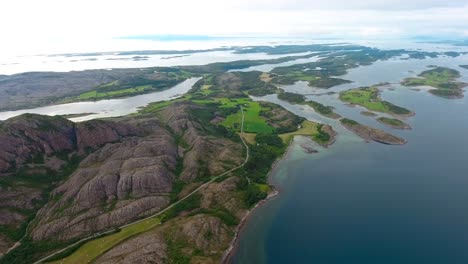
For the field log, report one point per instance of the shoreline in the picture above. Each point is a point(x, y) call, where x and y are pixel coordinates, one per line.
point(229, 253)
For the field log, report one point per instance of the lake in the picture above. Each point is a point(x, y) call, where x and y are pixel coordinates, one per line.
point(369, 203)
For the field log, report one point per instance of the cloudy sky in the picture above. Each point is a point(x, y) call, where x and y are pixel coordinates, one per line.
point(49, 23)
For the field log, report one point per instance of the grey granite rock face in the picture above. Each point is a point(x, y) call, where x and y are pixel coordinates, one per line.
point(202, 231)
point(26, 135)
point(114, 185)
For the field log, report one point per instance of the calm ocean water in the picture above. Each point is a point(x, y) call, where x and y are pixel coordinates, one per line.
point(368, 203)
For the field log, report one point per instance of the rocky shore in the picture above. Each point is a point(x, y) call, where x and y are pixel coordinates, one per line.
point(370, 133)
point(227, 258)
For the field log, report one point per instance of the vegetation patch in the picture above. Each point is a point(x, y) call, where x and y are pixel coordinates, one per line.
point(323, 110)
point(310, 129)
point(249, 138)
point(175, 253)
point(253, 122)
point(29, 251)
point(162, 78)
point(367, 113)
point(89, 251)
point(392, 122)
point(222, 213)
point(294, 98)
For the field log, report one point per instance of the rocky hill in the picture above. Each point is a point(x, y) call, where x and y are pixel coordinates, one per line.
point(128, 170)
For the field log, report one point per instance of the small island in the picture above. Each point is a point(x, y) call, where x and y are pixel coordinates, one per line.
point(174, 57)
point(314, 81)
point(300, 99)
point(393, 123)
point(443, 80)
point(68, 116)
point(370, 133)
point(368, 113)
point(464, 66)
point(369, 97)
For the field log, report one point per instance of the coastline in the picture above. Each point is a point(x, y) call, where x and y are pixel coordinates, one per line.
point(229, 253)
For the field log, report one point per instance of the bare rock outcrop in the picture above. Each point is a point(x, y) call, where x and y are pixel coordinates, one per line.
point(27, 135)
point(132, 178)
point(148, 248)
point(370, 133)
point(112, 186)
point(204, 232)
point(99, 132)
point(208, 155)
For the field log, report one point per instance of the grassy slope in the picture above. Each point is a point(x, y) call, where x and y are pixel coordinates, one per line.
point(126, 88)
point(93, 249)
point(254, 123)
point(96, 95)
point(308, 128)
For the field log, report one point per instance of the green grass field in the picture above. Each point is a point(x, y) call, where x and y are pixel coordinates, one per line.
point(250, 138)
point(253, 122)
point(368, 97)
point(206, 89)
point(308, 128)
point(118, 93)
point(156, 106)
point(93, 249)
point(264, 187)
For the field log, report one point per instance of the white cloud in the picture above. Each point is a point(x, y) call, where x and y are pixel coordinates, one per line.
point(349, 5)
point(29, 24)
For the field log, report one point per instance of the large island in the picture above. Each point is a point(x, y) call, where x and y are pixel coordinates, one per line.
point(369, 98)
point(443, 80)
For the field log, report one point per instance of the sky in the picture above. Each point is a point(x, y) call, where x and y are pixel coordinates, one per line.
point(75, 25)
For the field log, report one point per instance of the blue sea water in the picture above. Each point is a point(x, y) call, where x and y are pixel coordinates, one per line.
point(369, 203)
